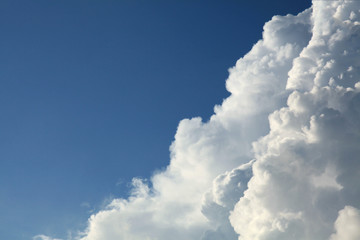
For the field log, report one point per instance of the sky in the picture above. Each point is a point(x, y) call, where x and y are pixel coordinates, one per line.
point(92, 93)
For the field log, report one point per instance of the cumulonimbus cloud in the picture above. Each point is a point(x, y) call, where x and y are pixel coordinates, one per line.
point(279, 159)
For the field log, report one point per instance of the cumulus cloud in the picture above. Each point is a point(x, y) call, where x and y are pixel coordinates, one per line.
point(347, 224)
point(226, 190)
point(277, 160)
point(307, 167)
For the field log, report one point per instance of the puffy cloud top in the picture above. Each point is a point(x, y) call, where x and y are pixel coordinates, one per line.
point(279, 159)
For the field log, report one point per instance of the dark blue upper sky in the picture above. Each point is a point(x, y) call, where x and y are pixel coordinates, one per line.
point(91, 93)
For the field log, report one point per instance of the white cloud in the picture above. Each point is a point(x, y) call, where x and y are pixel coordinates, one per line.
point(295, 109)
point(347, 225)
point(226, 190)
point(44, 237)
point(307, 166)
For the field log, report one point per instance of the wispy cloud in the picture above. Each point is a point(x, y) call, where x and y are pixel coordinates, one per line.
point(44, 237)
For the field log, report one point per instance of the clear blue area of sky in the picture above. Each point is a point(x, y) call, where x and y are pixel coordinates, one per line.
point(91, 93)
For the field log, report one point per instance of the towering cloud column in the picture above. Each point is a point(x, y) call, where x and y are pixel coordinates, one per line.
point(307, 168)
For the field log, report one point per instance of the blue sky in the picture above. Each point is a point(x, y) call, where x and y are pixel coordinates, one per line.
point(92, 92)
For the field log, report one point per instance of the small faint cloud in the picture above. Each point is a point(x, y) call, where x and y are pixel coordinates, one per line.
point(85, 205)
point(44, 237)
point(119, 182)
